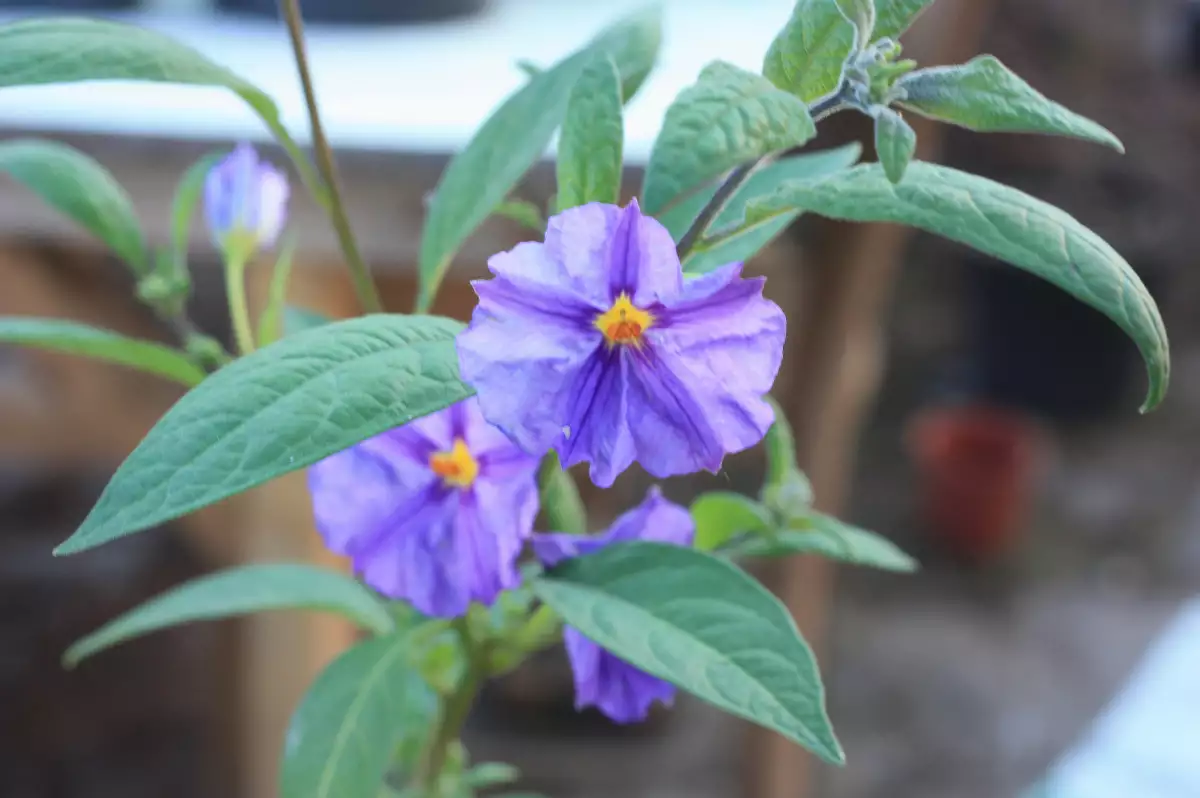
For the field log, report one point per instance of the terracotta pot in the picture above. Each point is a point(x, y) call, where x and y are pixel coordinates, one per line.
point(977, 467)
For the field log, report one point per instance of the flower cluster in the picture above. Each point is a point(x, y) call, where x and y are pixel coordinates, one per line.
point(591, 344)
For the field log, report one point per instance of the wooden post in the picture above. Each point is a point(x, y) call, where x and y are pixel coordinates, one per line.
point(279, 654)
point(837, 357)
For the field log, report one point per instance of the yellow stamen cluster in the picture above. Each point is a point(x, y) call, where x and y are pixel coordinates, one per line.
point(457, 467)
point(624, 322)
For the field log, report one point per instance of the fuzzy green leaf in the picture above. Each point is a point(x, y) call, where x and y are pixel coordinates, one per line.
point(45, 50)
point(985, 96)
point(522, 212)
point(721, 516)
point(516, 135)
point(827, 537)
point(276, 410)
point(271, 322)
point(591, 147)
point(808, 55)
point(242, 591)
point(80, 339)
point(703, 624)
point(895, 143)
point(297, 319)
point(761, 183)
point(733, 240)
point(728, 117)
point(1004, 223)
point(363, 707)
point(894, 17)
point(183, 209)
point(81, 189)
point(862, 14)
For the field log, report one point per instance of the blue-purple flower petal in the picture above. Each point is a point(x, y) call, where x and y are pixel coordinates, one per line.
point(413, 534)
point(620, 690)
point(676, 395)
point(245, 201)
point(610, 684)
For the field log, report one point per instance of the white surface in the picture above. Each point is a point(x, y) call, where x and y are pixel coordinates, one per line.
point(1147, 743)
point(419, 89)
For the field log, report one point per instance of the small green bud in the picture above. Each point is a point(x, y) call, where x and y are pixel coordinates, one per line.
point(206, 350)
point(165, 290)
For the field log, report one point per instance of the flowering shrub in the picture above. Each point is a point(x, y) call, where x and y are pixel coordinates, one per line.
point(626, 334)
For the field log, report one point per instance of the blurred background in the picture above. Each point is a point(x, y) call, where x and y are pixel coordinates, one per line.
point(982, 420)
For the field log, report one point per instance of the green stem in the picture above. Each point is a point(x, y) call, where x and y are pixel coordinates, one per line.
point(543, 629)
point(455, 709)
point(360, 275)
point(819, 110)
point(239, 309)
point(304, 166)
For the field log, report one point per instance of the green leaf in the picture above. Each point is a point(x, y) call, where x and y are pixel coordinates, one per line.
point(276, 410)
point(762, 182)
point(791, 496)
point(183, 210)
point(562, 507)
point(727, 118)
point(861, 14)
point(80, 339)
point(270, 323)
point(894, 17)
point(522, 212)
point(47, 50)
point(297, 319)
point(985, 96)
point(1004, 223)
point(528, 67)
point(780, 442)
point(721, 516)
point(895, 143)
point(701, 623)
point(241, 591)
point(808, 55)
point(633, 44)
point(786, 490)
point(516, 135)
point(78, 187)
point(735, 241)
point(590, 149)
point(828, 537)
point(355, 715)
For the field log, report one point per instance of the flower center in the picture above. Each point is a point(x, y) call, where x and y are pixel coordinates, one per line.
point(624, 322)
point(457, 467)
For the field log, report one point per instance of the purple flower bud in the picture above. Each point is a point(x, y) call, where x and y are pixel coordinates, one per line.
point(434, 512)
point(593, 344)
point(245, 202)
point(602, 679)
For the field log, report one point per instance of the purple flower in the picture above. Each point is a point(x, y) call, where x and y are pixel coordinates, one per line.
point(434, 512)
point(604, 680)
point(593, 344)
point(245, 202)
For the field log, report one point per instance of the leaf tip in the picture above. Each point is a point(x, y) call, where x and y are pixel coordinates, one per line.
point(72, 657)
point(1110, 140)
point(67, 547)
point(833, 753)
point(895, 172)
